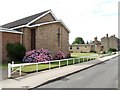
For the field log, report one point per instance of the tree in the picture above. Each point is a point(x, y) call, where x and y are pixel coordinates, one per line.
point(78, 40)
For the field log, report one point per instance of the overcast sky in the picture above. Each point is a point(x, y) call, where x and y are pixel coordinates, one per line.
point(84, 18)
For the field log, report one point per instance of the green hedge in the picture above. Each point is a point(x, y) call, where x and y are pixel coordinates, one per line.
point(112, 50)
point(15, 51)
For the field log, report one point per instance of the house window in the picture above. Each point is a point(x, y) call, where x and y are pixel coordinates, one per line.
point(77, 47)
point(59, 37)
point(85, 46)
point(70, 47)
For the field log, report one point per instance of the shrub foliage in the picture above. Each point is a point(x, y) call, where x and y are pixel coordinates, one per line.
point(60, 55)
point(15, 51)
point(112, 50)
point(37, 56)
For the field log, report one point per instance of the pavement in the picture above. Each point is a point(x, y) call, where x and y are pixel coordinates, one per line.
point(4, 74)
point(39, 78)
point(104, 75)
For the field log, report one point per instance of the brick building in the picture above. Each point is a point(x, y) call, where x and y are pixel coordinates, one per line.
point(110, 42)
point(95, 46)
point(7, 36)
point(42, 30)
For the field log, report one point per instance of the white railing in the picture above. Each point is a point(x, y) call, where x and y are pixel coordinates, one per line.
point(12, 66)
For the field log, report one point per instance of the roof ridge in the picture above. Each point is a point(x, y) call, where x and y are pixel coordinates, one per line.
point(22, 20)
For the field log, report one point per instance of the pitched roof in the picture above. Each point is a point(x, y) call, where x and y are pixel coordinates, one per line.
point(9, 30)
point(23, 21)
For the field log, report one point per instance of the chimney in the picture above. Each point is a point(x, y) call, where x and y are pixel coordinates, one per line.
point(107, 35)
point(95, 39)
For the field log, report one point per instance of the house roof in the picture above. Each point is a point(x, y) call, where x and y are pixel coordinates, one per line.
point(58, 21)
point(23, 21)
point(9, 31)
point(82, 44)
point(26, 22)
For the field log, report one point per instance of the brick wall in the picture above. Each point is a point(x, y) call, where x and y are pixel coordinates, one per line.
point(80, 48)
point(8, 38)
point(27, 38)
point(46, 37)
point(46, 18)
point(113, 42)
point(0, 46)
point(109, 42)
point(105, 43)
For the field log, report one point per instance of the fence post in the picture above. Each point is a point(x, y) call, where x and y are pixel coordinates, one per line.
point(20, 70)
point(67, 62)
point(12, 64)
point(88, 58)
point(83, 59)
point(49, 64)
point(59, 63)
point(37, 67)
point(79, 60)
point(9, 70)
point(73, 60)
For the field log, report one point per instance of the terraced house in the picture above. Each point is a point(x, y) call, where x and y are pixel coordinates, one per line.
point(42, 30)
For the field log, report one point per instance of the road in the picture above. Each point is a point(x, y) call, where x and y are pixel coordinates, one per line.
point(104, 75)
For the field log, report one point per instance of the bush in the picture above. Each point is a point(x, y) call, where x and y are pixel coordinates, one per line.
point(37, 56)
point(15, 51)
point(92, 51)
point(59, 55)
point(104, 52)
point(112, 50)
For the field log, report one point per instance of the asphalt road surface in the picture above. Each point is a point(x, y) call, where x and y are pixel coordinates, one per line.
point(104, 75)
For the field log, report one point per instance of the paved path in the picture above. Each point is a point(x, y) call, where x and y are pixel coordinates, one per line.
point(35, 79)
point(4, 74)
point(104, 75)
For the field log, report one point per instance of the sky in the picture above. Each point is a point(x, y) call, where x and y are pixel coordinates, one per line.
point(84, 18)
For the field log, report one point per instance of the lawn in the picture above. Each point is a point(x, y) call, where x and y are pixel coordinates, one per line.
point(41, 67)
point(81, 54)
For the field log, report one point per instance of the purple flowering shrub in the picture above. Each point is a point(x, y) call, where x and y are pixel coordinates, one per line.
point(37, 56)
point(60, 55)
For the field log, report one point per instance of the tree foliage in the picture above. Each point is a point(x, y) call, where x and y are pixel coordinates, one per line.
point(78, 40)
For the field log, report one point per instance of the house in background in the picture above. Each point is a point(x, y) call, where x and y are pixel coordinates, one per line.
point(42, 30)
point(8, 36)
point(97, 46)
point(81, 48)
point(110, 42)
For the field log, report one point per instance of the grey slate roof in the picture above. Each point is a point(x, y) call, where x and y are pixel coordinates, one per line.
point(22, 21)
